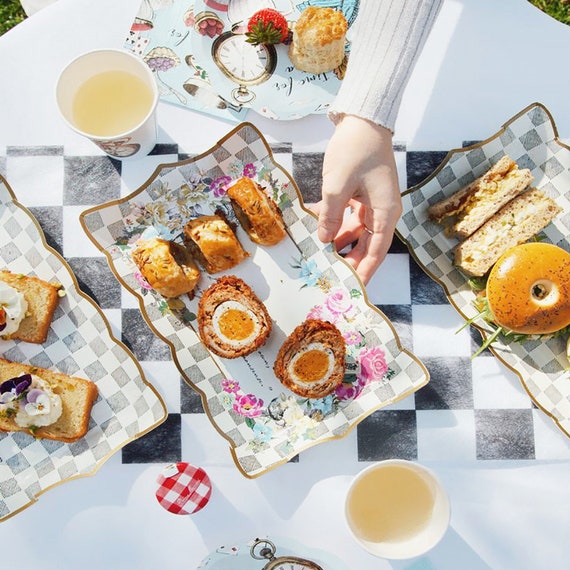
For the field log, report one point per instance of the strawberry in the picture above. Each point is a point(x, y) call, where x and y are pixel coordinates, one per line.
point(267, 26)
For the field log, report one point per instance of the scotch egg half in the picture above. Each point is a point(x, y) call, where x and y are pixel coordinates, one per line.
point(311, 361)
point(232, 320)
point(235, 324)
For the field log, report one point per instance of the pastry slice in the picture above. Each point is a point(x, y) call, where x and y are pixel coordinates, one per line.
point(213, 243)
point(167, 266)
point(257, 213)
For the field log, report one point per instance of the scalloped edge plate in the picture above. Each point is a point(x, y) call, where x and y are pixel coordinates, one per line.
point(531, 139)
point(80, 343)
point(278, 91)
point(238, 556)
point(265, 424)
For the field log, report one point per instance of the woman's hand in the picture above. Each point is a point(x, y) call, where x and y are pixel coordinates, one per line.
point(359, 172)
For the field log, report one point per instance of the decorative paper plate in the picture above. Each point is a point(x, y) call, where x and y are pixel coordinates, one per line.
point(530, 138)
point(80, 343)
point(265, 424)
point(239, 556)
point(261, 77)
point(160, 35)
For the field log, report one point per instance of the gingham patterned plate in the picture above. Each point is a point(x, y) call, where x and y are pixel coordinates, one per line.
point(530, 138)
point(265, 424)
point(79, 343)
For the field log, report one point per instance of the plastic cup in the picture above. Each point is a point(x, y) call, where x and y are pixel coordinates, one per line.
point(124, 105)
point(397, 509)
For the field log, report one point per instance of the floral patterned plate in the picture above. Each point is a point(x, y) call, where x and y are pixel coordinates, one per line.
point(265, 424)
point(79, 343)
point(530, 139)
point(262, 77)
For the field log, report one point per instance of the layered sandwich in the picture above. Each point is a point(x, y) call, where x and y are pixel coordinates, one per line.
point(492, 214)
point(467, 210)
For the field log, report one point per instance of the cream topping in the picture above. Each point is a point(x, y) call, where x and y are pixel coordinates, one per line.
point(36, 406)
point(14, 306)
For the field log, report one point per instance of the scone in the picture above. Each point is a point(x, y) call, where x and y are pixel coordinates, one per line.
point(319, 39)
point(27, 307)
point(45, 404)
point(213, 243)
point(311, 361)
point(257, 213)
point(232, 320)
point(167, 266)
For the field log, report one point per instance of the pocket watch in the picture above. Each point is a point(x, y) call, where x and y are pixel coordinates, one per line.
point(242, 62)
point(264, 549)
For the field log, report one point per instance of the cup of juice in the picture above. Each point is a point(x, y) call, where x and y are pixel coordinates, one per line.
point(397, 509)
point(110, 96)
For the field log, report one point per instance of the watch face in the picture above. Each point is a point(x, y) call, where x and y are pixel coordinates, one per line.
point(292, 565)
point(241, 61)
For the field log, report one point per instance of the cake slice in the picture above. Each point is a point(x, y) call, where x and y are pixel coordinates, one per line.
point(42, 299)
point(518, 221)
point(70, 397)
point(469, 208)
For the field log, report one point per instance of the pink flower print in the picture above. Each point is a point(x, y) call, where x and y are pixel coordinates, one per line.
point(316, 313)
point(248, 405)
point(220, 185)
point(338, 302)
point(230, 386)
point(141, 280)
point(352, 337)
point(372, 363)
point(347, 391)
point(249, 170)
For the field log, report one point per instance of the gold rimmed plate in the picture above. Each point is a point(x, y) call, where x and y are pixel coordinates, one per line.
point(80, 343)
point(531, 139)
point(264, 423)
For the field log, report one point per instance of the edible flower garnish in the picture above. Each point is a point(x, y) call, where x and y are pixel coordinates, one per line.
point(13, 389)
point(37, 403)
point(2, 319)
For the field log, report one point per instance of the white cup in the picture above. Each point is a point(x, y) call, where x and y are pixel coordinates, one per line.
point(110, 97)
point(397, 509)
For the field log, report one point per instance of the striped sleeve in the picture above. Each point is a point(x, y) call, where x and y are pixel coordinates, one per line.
point(387, 38)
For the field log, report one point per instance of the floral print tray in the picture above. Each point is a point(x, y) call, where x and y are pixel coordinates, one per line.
point(79, 343)
point(530, 139)
point(265, 424)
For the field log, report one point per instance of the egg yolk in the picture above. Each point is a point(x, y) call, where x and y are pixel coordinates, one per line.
point(311, 366)
point(236, 325)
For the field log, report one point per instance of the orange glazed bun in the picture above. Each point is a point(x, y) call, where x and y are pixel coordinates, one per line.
point(528, 289)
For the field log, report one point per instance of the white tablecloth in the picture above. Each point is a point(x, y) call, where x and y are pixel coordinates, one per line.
point(484, 62)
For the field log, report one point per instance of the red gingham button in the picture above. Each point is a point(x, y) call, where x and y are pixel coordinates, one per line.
point(183, 489)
